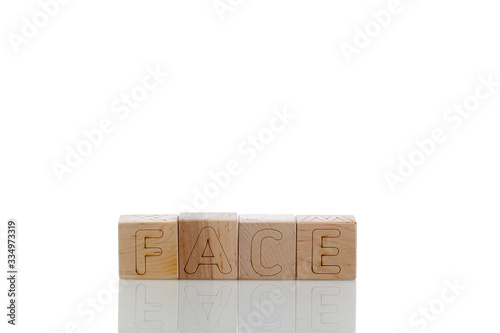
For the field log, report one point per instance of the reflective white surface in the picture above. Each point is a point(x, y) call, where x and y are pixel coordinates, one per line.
point(237, 306)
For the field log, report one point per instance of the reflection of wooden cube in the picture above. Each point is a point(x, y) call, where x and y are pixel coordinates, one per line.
point(267, 247)
point(148, 246)
point(208, 306)
point(208, 246)
point(326, 306)
point(326, 247)
point(148, 306)
point(266, 306)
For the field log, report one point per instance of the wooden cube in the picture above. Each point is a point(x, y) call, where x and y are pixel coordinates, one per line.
point(148, 246)
point(326, 247)
point(267, 247)
point(208, 246)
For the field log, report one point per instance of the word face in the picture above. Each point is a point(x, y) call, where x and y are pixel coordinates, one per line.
point(219, 246)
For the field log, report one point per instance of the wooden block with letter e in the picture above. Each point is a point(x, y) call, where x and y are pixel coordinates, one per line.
point(267, 247)
point(326, 247)
point(148, 246)
point(208, 246)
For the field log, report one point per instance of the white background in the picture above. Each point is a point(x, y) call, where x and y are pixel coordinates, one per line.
point(353, 120)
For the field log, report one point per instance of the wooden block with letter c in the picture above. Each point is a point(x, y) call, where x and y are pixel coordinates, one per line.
point(267, 247)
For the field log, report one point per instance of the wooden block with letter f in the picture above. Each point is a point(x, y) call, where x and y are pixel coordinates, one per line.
point(148, 246)
point(326, 247)
point(267, 245)
point(208, 246)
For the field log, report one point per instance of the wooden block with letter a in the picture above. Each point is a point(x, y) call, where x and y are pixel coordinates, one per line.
point(148, 246)
point(208, 246)
point(326, 247)
point(267, 247)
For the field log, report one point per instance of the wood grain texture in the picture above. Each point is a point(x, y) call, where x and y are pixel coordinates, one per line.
point(326, 247)
point(267, 247)
point(208, 246)
point(148, 246)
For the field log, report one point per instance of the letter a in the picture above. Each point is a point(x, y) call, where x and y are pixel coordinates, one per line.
point(208, 251)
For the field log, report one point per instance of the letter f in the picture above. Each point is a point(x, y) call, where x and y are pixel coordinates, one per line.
point(141, 249)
